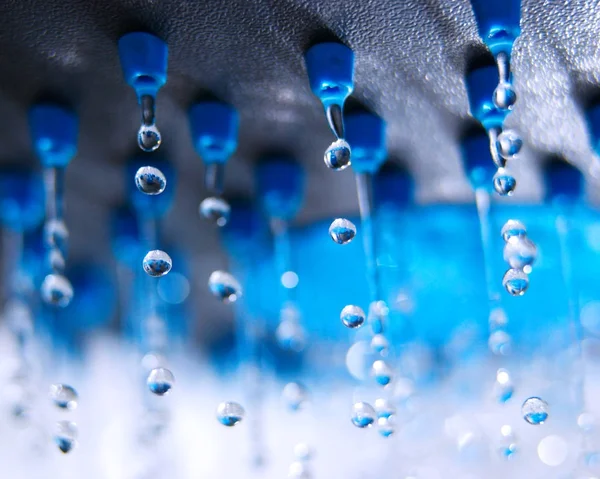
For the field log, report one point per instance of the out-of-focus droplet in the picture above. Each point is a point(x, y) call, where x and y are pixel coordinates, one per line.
point(535, 410)
point(509, 144)
point(507, 446)
point(553, 450)
point(295, 395)
point(63, 396)
point(338, 155)
point(57, 290)
point(302, 451)
point(499, 342)
point(352, 316)
point(342, 231)
point(384, 407)
point(149, 138)
point(224, 286)
point(513, 228)
point(150, 180)
point(299, 470)
point(378, 312)
point(386, 425)
point(230, 413)
point(380, 344)
point(586, 422)
point(503, 387)
point(216, 210)
point(157, 263)
point(160, 381)
point(291, 335)
point(56, 260)
point(56, 234)
point(504, 182)
point(65, 435)
point(520, 252)
point(515, 282)
point(382, 372)
point(363, 414)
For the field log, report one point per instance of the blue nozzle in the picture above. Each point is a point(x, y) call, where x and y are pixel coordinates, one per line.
point(478, 165)
point(152, 206)
point(280, 184)
point(22, 201)
point(564, 182)
point(54, 134)
point(366, 134)
point(393, 187)
point(498, 22)
point(481, 83)
point(144, 62)
point(214, 128)
point(330, 68)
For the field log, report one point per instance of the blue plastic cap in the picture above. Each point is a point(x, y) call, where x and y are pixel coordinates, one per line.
point(393, 187)
point(330, 68)
point(564, 182)
point(477, 161)
point(214, 131)
point(54, 134)
point(151, 206)
point(22, 200)
point(280, 184)
point(365, 132)
point(498, 22)
point(481, 83)
point(144, 62)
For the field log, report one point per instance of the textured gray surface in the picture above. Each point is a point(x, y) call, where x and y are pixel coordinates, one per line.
point(410, 62)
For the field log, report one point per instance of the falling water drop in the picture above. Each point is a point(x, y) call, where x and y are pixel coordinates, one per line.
point(56, 235)
point(535, 410)
point(157, 263)
point(503, 387)
point(382, 372)
point(224, 286)
point(499, 342)
point(380, 344)
point(65, 435)
point(337, 156)
point(57, 290)
point(515, 282)
point(63, 396)
point(290, 335)
point(216, 210)
point(352, 316)
point(520, 252)
point(150, 180)
point(295, 395)
point(230, 413)
point(378, 312)
point(386, 425)
point(342, 231)
point(160, 381)
point(384, 407)
point(363, 414)
point(513, 228)
point(509, 144)
point(302, 451)
point(504, 96)
point(586, 422)
point(504, 182)
point(507, 446)
point(56, 260)
point(149, 138)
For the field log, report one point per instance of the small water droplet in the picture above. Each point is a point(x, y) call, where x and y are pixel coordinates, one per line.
point(230, 413)
point(290, 335)
point(520, 252)
point(509, 144)
point(384, 407)
point(504, 182)
point(352, 316)
point(64, 396)
point(160, 381)
point(382, 372)
point(342, 231)
point(56, 235)
point(295, 395)
point(535, 410)
point(224, 286)
point(337, 156)
point(513, 228)
point(380, 344)
point(504, 96)
point(216, 210)
point(65, 435)
point(302, 451)
point(499, 342)
point(157, 263)
point(515, 282)
point(57, 290)
point(149, 138)
point(150, 180)
point(363, 414)
point(386, 425)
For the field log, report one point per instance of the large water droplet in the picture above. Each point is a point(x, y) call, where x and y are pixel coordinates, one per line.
point(230, 413)
point(384, 407)
point(342, 231)
point(504, 182)
point(380, 344)
point(56, 235)
point(513, 228)
point(149, 138)
point(535, 410)
point(382, 372)
point(157, 263)
point(295, 395)
point(57, 290)
point(515, 282)
point(290, 335)
point(363, 414)
point(224, 286)
point(160, 381)
point(386, 425)
point(150, 180)
point(520, 252)
point(504, 96)
point(337, 156)
point(352, 316)
point(65, 435)
point(63, 396)
point(216, 210)
point(509, 144)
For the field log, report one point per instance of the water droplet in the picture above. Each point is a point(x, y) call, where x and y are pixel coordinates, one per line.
point(65, 435)
point(503, 387)
point(337, 156)
point(504, 96)
point(520, 252)
point(160, 381)
point(63, 396)
point(57, 290)
point(384, 407)
point(363, 414)
point(513, 228)
point(56, 260)
point(586, 422)
point(535, 410)
point(515, 282)
point(150, 180)
point(499, 342)
point(295, 395)
point(507, 446)
point(157, 263)
point(386, 425)
point(56, 235)
point(378, 312)
point(509, 144)
point(290, 335)
point(299, 470)
point(216, 210)
point(302, 451)
point(342, 231)
point(382, 372)
point(352, 316)
point(230, 413)
point(504, 182)
point(380, 344)
point(149, 138)
point(224, 286)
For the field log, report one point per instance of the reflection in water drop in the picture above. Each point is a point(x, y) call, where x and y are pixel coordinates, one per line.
point(216, 210)
point(149, 138)
point(513, 228)
point(337, 156)
point(342, 231)
point(150, 180)
point(382, 372)
point(504, 96)
point(157, 263)
point(65, 435)
point(509, 144)
point(504, 182)
point(535, 410)
point(57, 290)
point(56, 235)
point(352, 316)
point(384, 407)
point(160, 381)
point(520, 252)
point(363, 414)
point(386, 425)
point(63, 396)
point(224, 286)
point(515, 282)
point(230, 413)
